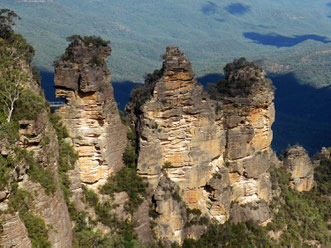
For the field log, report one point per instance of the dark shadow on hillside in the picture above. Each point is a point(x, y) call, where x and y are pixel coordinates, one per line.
point(47, 83)
point(237, 8)
point(209, 8)
point(220, 19)
point(210, 78)
point(283, 41)
point(122, 92)
point(303, 114)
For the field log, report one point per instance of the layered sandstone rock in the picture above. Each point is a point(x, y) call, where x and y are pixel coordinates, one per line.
point(248, 109)
point(297, 161)
point(52, 208)
point(37, 136)
point(178, 135)
point(14, 233)
point(215, 150)
point(90, 113)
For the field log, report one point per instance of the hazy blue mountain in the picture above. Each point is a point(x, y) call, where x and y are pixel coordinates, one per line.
point(211, 33)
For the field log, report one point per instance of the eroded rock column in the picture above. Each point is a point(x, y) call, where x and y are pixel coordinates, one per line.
point(90, 113)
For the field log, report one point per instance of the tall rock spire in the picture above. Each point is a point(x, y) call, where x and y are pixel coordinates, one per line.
point(90, 113)
point(209, 151)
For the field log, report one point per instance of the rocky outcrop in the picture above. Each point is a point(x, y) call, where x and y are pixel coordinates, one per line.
point(52, 208)
point(90, 113)
point(248, 109)
point(298, 163)
point(170, 210)
point(178, 135)
point(216, 150)
point(37, 136)
point(14, 233)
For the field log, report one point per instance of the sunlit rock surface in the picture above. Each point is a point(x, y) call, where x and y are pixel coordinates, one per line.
point(215, 147)
point(90, 113)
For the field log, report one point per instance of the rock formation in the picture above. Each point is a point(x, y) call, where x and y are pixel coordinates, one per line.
point(216, 150)
point(246, 97)
point(90, 113)
point(205, 155)
point(298, 163)
point(50, 207)
point(14, 233)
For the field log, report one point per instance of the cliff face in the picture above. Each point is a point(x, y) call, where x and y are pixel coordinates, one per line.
point(14, 233)
point(52, 208)
point(37, 136)
point(178, 135)
point(90, 113)
point(216, 151)
point(298, 163)
point(248, 110)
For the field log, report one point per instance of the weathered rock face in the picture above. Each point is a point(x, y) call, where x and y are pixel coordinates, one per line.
point(297, 161)
point(14, 233)
point(216, 151)
point(39, 137)
point(178, 134)
point(246, 97)
point(52, 208)
point(90, 114)
point(171, 211)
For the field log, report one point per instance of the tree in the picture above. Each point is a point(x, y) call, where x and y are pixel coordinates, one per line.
point(11, 87)
point(15, 54)
point(7, 23)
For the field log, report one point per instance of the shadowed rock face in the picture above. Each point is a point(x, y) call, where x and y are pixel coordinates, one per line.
point(90, 114)
point(298, 163)
point(206, 146)
point(83, 67)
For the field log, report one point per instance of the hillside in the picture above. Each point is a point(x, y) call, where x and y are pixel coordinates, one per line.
point(210, 32)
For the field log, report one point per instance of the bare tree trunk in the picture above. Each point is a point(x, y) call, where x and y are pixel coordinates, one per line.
point(11, 94)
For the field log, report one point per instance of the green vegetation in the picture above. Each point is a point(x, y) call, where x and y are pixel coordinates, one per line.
point(97, 61)
point(28, 106)
point(36, 172)
point(302, 216)
point(89, 40)
point(5, 165)
point(322, 176)
point(194, 218)
point(16, 101)
point(127, 180)
point(138, 96)
point(210, 39)
point(123, 231)
point(130, 155)
point(37, 231)
point(8, 130)
point(247, 234)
